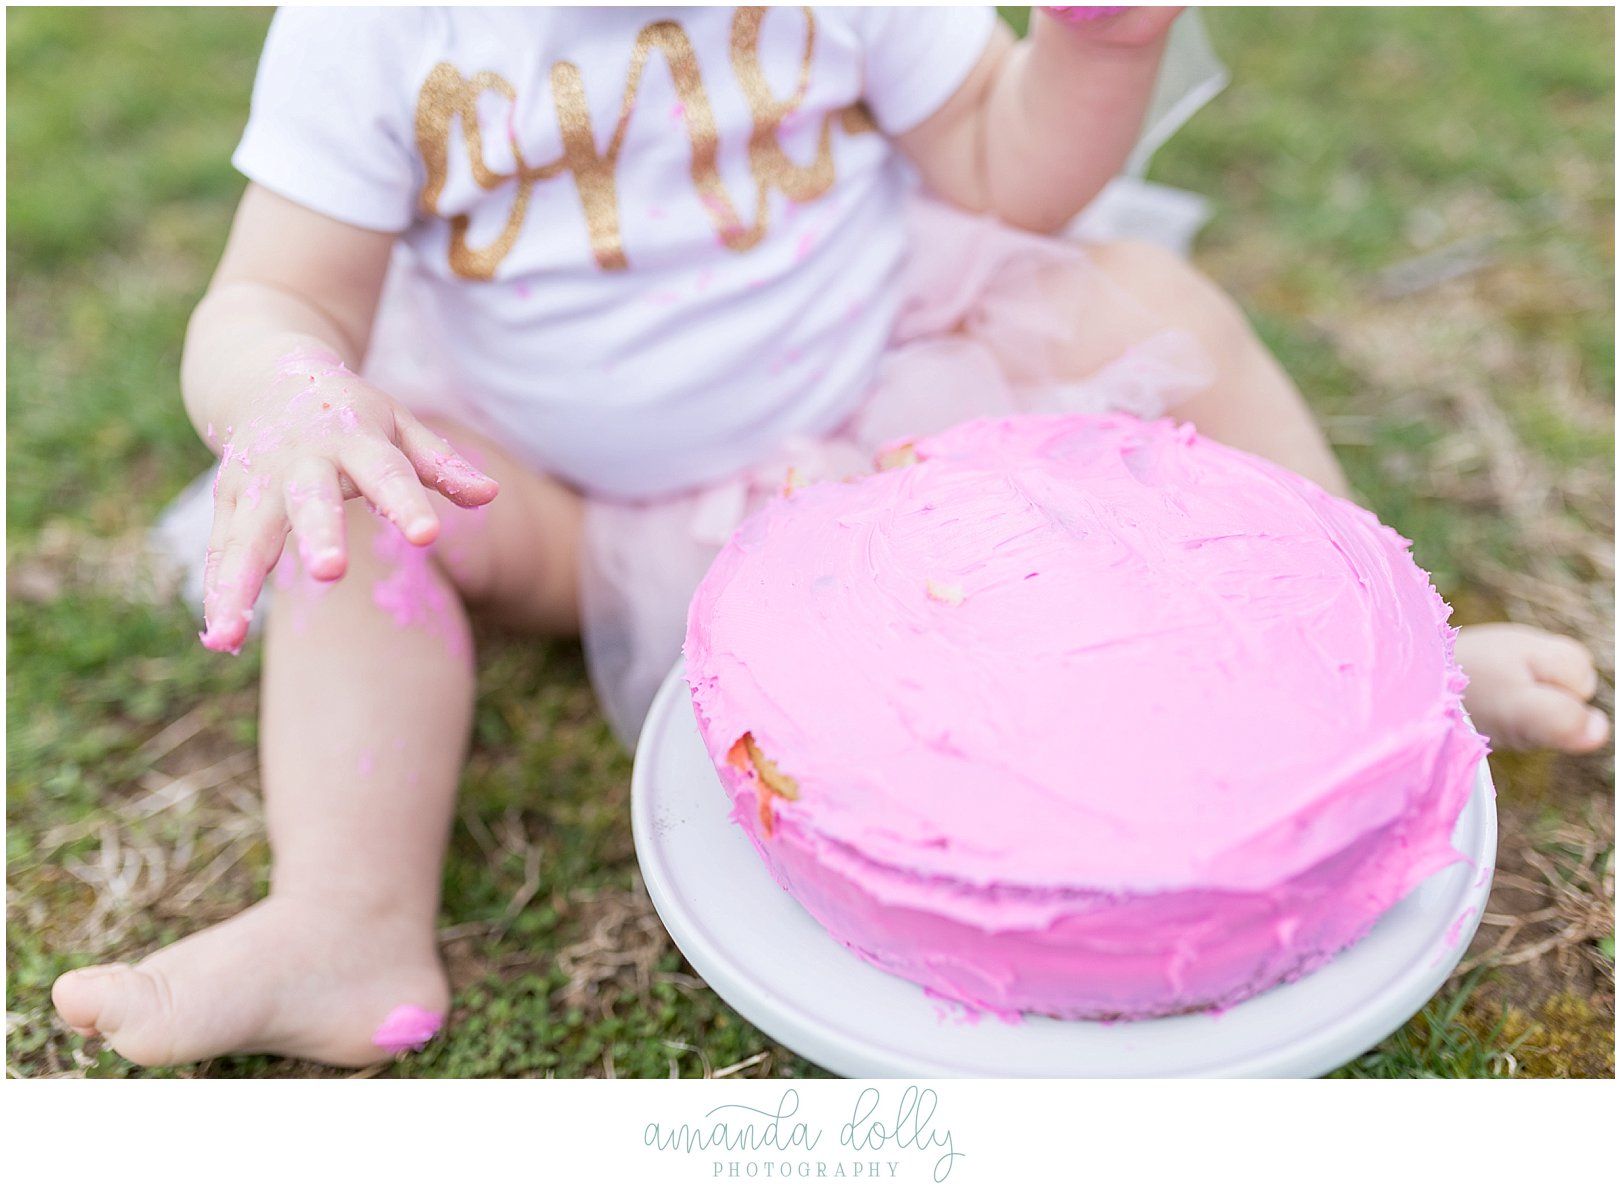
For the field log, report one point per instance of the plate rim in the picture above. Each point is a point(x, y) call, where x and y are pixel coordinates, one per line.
point(818, 1037)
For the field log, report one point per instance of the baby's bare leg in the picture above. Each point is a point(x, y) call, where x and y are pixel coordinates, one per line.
point(1250, 402)
point(365, 715)
point(1528, 688)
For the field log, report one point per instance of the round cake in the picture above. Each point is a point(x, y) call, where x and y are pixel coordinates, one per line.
point(1083, 716)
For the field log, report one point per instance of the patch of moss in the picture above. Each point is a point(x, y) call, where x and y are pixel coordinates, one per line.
point(1568, 1037)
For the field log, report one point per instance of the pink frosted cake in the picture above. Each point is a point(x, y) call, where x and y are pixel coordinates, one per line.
point(1083, 716)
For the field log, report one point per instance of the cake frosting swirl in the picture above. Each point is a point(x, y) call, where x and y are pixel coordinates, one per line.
point(1083, 715)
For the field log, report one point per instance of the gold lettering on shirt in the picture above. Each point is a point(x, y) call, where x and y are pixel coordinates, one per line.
point(448, 96)
point(769, 164)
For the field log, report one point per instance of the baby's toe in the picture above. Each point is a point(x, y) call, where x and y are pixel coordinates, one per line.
point(80, 996)
point(1563, 662)
point(128, 1007)
point(1595, 733)
point(1548, 716)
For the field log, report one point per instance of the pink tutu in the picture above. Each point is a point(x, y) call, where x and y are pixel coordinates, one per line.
point(989, 319)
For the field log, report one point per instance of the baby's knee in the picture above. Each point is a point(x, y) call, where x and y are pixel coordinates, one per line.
point(1174, 291)
point(516, 559)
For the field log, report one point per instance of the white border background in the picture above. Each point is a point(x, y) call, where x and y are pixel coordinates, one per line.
point(1019, 1134)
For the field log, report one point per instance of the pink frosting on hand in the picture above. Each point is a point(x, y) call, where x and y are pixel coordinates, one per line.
point(219, 639)
point(407, 1027)
point(1086, 716)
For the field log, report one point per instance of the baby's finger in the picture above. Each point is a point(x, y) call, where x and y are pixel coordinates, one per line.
point(385, 477)
point(253, 542)
point(315, 508)
point(439, 465)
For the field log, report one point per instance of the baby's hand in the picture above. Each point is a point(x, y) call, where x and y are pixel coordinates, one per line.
point(1121, 27)
point(319, 436)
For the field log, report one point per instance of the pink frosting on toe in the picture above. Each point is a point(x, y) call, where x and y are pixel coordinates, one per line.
point(407, 1027)
point(1083, 715)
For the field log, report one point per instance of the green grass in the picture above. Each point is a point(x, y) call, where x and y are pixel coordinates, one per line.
point(1438, 1044)
point(1403, 131)
point(124, 129)
point(1350, 141)
point(120, 127)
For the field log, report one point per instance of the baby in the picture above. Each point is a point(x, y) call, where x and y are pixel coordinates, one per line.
point(559, 295)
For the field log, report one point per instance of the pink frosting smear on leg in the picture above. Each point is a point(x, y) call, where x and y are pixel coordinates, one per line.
point(410, 593)
point(407, 1027)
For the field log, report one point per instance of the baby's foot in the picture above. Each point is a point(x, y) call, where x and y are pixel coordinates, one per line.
point(1529, 688)
point(286, 977)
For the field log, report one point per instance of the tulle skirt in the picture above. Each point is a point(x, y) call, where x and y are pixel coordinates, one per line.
point(994, 322)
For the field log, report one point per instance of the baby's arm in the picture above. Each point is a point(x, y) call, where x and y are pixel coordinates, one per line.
point(1041, 126)
point(266, 379)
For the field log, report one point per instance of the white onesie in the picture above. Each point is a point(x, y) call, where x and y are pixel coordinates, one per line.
point(648, 244)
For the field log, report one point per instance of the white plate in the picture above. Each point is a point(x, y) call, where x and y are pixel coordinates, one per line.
point(769, 959)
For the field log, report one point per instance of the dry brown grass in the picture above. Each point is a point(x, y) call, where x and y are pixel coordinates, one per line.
point(183, 845)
